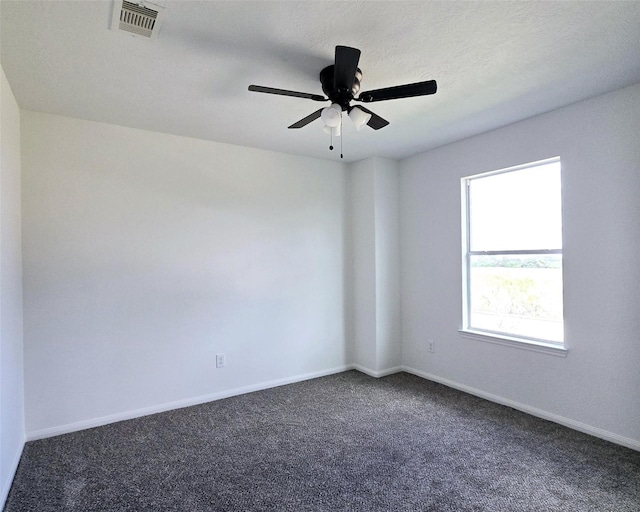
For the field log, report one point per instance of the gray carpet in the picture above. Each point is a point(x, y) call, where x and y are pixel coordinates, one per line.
point(343, 442)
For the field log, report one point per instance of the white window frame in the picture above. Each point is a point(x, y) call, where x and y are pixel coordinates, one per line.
point(517, 341)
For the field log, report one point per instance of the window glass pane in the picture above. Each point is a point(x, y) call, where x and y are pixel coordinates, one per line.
point(516, 210)
point(518, 295)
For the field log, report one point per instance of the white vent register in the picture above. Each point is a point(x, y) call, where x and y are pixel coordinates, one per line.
point(137, 18)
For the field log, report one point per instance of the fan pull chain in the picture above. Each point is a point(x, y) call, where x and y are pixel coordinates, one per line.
point(341, 136)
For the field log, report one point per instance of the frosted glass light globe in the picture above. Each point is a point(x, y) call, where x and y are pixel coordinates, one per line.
point(333, 130)
point(359, 117)
point(331, 115)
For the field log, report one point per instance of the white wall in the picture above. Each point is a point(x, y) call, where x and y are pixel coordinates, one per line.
point(597, 386)
point(375, 258)
point(146, 254)
point(11, 362)
point(363, 254)
point(387, 255)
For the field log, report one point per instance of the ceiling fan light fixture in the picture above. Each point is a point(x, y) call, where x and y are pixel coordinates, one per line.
point(331, 115)
point(359, 117)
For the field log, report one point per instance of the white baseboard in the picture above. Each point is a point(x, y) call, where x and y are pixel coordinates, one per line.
point(6, 485)
point(634, 444)
point(376, 373)
point(145, 411)
point(105, 420)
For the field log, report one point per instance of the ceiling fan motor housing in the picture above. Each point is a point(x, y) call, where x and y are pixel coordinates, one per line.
point(340, 96)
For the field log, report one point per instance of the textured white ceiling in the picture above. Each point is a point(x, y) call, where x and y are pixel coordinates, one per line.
point(495, 63)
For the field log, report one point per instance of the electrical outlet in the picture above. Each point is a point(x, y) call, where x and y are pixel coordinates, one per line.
point(221, 360)
point(431, 346)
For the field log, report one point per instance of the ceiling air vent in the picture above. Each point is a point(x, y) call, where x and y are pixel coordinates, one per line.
point(141, 18)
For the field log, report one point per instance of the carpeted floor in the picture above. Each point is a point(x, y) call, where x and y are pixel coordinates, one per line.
point(344, 442)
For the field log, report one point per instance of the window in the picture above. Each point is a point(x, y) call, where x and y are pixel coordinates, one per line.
point(512, 243)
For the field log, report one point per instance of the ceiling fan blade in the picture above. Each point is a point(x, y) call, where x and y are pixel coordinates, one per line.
point(376, 122)
point(308, 119)
point(399, 91)
point(346, 66)
point(284, 92)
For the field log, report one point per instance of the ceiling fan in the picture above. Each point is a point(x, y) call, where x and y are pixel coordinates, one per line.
point(341, 82)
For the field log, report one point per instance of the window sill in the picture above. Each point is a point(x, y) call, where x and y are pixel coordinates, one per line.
point(532, 345)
